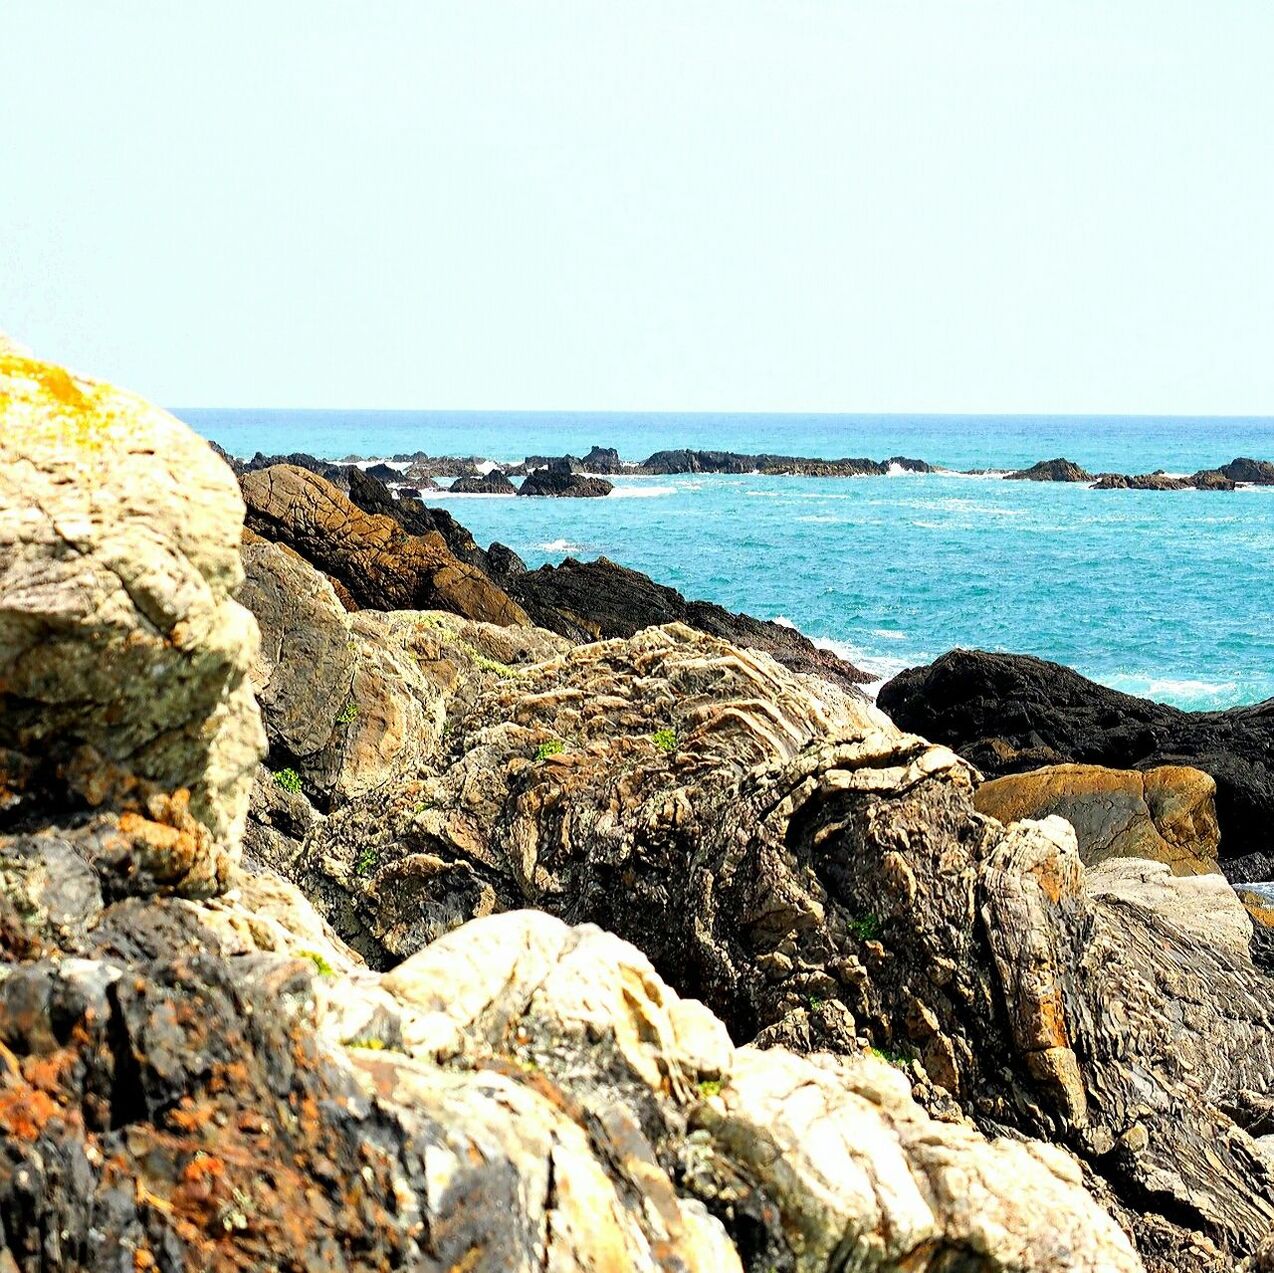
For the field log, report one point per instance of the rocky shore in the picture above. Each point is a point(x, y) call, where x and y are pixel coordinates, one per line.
point(571, 475)
point(369, 902)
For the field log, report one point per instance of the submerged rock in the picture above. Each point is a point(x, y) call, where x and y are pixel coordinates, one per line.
point(1009, 712)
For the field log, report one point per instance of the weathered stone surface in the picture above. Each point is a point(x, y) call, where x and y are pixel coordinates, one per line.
point(1009, 712)
point(1141, 482)
point(1257, 472)
point(585, 600)
point(493, 483)
point(382, 566)
point(1167, 814)
point(123, 656)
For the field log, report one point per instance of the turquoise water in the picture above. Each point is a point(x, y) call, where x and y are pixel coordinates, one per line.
point(1167, 595)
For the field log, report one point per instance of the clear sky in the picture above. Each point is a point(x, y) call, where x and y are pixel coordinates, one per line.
point(956, 205)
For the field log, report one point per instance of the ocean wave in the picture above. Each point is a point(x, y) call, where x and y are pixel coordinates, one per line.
point(560, 546)
point(1184, 691)
point(641, 492)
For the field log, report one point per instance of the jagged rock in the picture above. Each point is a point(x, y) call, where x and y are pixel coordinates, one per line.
point(558, 479)
point(382, 566)
point(1008, 713)
point(1158, 481)
point(1255, 472)
point(1167, 814)
point(373, 496)
point(683, 461)
point(1212, 480)
point(587, 600)
point(494, 483)
point(604, 460)
point(123, 656)
point(908, 465)
point(1059, 470)
point(818, 878)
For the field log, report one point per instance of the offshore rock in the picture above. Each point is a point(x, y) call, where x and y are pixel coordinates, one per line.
point(1167, 814)
point(558, 479)
point(123, 656)
point(1059, 470)
point(1010, 712)
point(494, 483)
point(584, 601)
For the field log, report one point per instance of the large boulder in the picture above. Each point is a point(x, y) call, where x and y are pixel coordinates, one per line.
point(585, 600)
point(382, 566)
point(1008, 713)
point(123, 656)
point(1255, 472)
point(493, 483)
point(1167, 814)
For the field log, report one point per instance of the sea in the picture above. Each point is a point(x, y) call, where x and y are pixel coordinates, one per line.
point(1167, 595)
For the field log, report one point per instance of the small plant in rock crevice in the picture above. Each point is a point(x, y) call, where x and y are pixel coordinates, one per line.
point(665, 740)
point(289, 780)
point(320, 963)
point(349, 715)
point(553, 747)
point(865, 927)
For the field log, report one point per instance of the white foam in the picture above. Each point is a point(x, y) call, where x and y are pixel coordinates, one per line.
point(560, 546)
point(641, 492)
point(897, 470)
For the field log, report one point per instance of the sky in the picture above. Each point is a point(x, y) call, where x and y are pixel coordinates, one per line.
point(680, 205)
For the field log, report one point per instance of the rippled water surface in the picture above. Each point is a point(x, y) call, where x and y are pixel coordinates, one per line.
point(1168, 595)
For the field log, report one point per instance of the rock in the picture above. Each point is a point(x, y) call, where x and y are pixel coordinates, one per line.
point(1059, 470)
point(558, 479)
point(604, 460)
point(1158, 481)
point(123, 657)
point(373, 496)
point(494, 483)
point(818, 879)
point(587, 600)
point(1211, 480)
point(1254, 472)
point(382, 472)
point(1008, 713)
point(683, 461)
point(382, 566)
point(1167, 814)
point(908, 465)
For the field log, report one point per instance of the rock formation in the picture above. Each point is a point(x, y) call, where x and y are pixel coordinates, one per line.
point(123, 657)
point(824, 882)
point(683, 461)
point(558, 479)
point(1059, 470)
point(380, 565)
point(494, 483)
point(1008, 713)
point(1255, 472)
point(587, 600)
point(1167, 814)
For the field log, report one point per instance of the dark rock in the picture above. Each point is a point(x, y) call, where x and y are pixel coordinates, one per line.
point(1254, 472)
point(1059, 470)
point(602, 459)
point(1008, 713)
point(503, 562)
point(1159, 481)
point(382, 472)
point(1212, 480)
point(683, 461)
point(559, 479)
point(495, 483)
point(584, 601)
point(909, 465)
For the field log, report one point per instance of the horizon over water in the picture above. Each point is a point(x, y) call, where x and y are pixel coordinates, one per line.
point(1166, 595)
